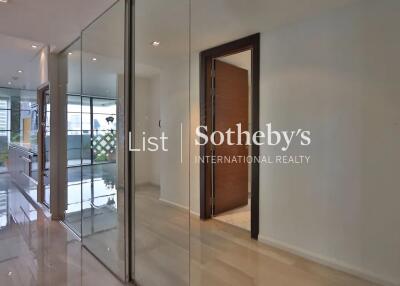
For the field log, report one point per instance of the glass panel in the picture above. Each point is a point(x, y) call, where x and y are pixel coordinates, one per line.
point(74, 121)
point(103, 185)
point(70, 64)
point(4, 133)
point(161, 177)
point(104, 106)
point(86, 121)
point(74, 103)
point(86, 104)
point(73, 211)
point(104, 122)
point(47, 147)
point(18, 122)
point(86, 147)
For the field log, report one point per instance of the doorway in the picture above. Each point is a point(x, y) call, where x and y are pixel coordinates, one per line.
point(229, 95)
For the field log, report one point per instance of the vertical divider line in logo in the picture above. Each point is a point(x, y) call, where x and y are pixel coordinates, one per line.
point(181, 143)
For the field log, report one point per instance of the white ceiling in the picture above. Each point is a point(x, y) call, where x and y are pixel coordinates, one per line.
point(41, 22)
point(213, 22)
point(53, 22)
point(15, 54)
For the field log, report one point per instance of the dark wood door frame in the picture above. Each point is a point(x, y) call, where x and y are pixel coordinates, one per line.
point(206, 57)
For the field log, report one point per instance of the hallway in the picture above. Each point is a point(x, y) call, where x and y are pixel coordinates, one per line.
point(199, 143)
point(37, 251)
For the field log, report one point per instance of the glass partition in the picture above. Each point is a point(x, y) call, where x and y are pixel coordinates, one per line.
point(321, 209)
point(70, 75)
point(161, 141)
point(17, 125)
point(103, 159)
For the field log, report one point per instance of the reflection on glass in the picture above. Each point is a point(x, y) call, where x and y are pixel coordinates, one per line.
point(17, 121)
point(102, 89)
point(46, 172)
point(70, 63)
point(161, 178)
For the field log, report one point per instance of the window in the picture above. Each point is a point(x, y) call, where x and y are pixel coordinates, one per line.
point(91, 130)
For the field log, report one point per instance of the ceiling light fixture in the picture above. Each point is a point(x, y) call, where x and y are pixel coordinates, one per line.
point(155, 43)
point(70, 53)
point(20, 71)
point(9, 83)
point(34, 46)
point(3, 1)
point(94, 59)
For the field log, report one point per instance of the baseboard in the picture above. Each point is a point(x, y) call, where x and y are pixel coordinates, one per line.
point(147, 184)
point(196, 214)
point(174, 204)
point(178, 206)
point(329, 262)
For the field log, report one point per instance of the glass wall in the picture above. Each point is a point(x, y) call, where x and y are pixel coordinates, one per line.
point(16, 109)
point(161, 173)
point(70, 67)
point(92, 120)
point(332, 73)
point(102, 113)
point(74, 129)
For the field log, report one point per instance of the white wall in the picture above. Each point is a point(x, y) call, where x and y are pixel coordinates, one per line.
point(174, 115)
point(36, 71)
point(339, 76)
point(147, 114)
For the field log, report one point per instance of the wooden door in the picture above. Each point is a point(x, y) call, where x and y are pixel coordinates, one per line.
point(231, 106)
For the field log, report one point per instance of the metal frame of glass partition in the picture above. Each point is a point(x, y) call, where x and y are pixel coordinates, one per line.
point(129, 70)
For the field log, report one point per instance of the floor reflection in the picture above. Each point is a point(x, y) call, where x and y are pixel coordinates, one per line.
point(37, 251)
point(98, 194)
point(96, 219)
point(161, 240)
point(220, 253)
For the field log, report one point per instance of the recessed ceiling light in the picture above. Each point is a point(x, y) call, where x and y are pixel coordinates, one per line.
point(155, 43)
point(20, 71)
point(34, 46)
point(70, 53)
point(9, 83)
point(94, 59)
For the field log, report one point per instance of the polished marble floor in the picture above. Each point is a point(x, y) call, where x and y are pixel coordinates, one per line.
point(92, 212)
point(37, 251)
